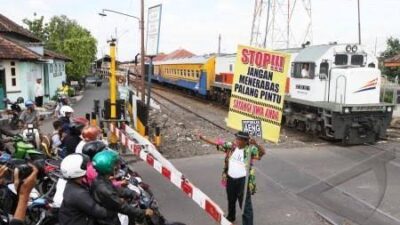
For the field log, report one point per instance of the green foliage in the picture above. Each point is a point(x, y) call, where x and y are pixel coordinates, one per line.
point(66, 36)
point(392, 49)
point(37, 27)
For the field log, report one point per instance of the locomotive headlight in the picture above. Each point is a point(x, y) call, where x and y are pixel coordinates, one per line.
point(354, 48)
point(346, 110)
point(389, 109)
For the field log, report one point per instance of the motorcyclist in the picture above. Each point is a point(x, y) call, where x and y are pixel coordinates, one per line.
point(89, 133)
point(62, 101)
point(78, 206)
point(30, 115)
point(105, 193)
point(91, 149)
point(66, 114)
point(72, 139)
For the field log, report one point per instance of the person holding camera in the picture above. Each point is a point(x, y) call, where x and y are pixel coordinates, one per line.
point(24, 187)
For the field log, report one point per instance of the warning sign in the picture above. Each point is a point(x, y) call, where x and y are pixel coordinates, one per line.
point(258, 91)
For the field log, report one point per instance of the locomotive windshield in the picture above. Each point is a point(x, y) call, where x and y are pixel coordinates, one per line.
point(341, 59)
point(357, 60)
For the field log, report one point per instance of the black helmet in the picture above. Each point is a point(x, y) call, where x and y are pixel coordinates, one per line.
point(76, 128)
point(20, 100)
point(92, 148)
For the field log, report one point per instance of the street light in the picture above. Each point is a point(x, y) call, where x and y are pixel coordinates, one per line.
point(141, 27)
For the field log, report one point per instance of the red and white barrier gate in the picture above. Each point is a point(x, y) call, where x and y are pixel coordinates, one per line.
point(148, 153)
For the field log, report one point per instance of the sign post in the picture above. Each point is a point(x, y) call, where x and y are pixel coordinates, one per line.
point(258, 91)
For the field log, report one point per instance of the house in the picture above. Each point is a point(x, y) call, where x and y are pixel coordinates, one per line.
point(23, 59)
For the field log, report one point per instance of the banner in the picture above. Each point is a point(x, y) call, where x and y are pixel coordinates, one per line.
point(258, 91)
point(153, 29)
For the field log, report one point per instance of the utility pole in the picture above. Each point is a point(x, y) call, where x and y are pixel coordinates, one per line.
point(113, 82)
point(288, 25)
point(142, 54)
point(359, 22)
point(219, 44)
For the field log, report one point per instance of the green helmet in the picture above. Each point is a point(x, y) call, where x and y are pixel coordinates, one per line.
point(105, 161)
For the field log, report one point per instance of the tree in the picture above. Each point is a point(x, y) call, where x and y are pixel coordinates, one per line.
point(37, 27)
point(66, 36)
point(392, 49)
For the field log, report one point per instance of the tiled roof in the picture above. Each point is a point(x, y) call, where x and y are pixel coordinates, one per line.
point(9, 26)
point(12, 50)
point(55, 55)
point(180, 53)
point(394, 59)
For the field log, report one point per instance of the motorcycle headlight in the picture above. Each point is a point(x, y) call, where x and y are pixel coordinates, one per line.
point(346, 110)
point(30, 126)
point(389, 109)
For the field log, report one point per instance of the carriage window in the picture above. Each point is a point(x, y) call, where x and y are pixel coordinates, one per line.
point(341, 59)
point(357, 60)
point(303, 70)
point(323, 68)
point(371, 65)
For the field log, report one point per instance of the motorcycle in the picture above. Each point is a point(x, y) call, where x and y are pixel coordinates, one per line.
point(15, 111)
point(145, 197)
point(31, 135)
point(25, 150)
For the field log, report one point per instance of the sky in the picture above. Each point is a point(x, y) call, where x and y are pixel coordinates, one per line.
point(196, 24)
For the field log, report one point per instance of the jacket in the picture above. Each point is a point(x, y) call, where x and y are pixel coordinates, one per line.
point(79, 208)
point(70, 142)
point(107, 195)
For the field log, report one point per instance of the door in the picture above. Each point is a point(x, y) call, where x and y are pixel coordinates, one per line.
point(2, 87)
point(46, 80)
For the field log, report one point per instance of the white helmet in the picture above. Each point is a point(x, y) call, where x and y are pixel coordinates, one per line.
point(66, 109)
point(74, 166)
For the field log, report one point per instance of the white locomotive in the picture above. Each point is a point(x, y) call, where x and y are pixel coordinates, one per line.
point(334, 91)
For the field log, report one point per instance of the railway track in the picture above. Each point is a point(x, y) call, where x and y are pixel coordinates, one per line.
point(217, 124)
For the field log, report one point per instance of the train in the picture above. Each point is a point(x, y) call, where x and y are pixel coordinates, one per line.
point(333, 90)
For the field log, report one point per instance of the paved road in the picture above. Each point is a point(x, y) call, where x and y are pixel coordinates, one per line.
point(285, 177)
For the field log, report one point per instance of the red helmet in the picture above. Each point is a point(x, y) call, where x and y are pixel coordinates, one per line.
point(81, 120)
point(91, 133)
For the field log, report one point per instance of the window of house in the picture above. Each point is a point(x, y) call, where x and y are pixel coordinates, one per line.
point(51, 68)
point(357, 60)
point(198, 73)
point(230, 67)
point(303, 70)
point(341, 59)
point(13, 75)
point(55, 68)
